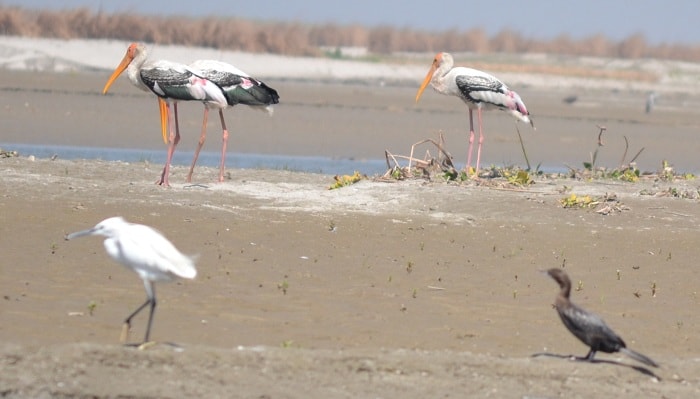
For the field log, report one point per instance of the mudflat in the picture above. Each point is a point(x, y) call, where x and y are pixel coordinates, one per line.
point(416, 288)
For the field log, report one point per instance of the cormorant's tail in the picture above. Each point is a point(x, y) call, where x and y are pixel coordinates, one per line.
point(639, 357)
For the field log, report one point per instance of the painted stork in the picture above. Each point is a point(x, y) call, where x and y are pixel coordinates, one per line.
point(478, 90)
point(238, 88)
point(171, 82)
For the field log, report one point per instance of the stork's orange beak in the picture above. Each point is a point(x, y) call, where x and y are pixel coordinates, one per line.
point(128, 57)
point(427, 79)
point(163, 118)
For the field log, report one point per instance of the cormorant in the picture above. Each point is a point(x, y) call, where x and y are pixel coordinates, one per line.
point(588, 327)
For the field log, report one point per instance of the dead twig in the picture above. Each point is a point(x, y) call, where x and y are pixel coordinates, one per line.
point(522, 145)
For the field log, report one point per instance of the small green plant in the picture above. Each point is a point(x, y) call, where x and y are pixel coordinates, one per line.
point(91, 307)
point(579, 286)
point(283, 286)
point(346, 180)
point(454, 175)
point(666, 172)
point(628, 174)
point(576, 201)
point(519, 178)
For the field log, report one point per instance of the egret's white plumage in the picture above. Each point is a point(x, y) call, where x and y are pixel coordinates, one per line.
point(478, 89)
point(145, 251)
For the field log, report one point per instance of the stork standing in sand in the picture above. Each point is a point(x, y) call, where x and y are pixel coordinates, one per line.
point(238, 88)
point(171, 82)
point(478, 90)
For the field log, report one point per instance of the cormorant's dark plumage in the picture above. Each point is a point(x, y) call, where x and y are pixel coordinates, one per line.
point(588, 327)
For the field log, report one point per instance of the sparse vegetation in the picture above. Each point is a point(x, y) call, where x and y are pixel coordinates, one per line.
point(91, 307)
point(604, 204)
point(346, 180)
point(576, 201)
point(283, 286)
point(293, 38)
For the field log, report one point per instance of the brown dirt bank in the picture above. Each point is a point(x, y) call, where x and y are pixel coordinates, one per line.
point(410, 289)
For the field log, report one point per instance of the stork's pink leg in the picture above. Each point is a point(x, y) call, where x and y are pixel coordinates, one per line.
point(202, 138)
point(471, 139)
point(172, 143)
point(223, 146)
point(481, 140)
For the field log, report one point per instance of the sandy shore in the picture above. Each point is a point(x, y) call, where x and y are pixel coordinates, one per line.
point(407, 289)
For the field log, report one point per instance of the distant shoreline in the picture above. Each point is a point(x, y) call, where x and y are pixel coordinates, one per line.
point(536, 70)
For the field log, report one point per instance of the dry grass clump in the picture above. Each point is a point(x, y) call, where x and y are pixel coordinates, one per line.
point(293, 38)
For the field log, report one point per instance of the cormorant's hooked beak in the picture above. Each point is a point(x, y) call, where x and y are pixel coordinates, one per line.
point(427, 79)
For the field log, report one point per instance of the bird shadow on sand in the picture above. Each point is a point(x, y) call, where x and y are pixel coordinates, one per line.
point(639, 369)
point(153, 344)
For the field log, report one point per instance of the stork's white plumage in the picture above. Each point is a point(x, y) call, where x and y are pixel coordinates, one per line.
point(171, 82)
point(478, 89)
point(237, 87)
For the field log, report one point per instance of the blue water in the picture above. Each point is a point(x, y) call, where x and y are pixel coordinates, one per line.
point(233, 160)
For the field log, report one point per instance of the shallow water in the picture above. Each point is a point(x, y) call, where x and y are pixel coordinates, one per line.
point(340, 128)
point(233, 160)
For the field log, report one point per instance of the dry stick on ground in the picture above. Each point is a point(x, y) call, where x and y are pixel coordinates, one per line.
point(441, 151)
point(594, 156)
point(405, 172)
point(444, 158)
point(419, 163)
point(624, 166)
point(522, 145)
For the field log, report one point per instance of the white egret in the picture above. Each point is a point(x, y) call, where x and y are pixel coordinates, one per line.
point(146, 252)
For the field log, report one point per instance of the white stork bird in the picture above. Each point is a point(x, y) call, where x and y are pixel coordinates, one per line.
point(238, 88)
point(478, 90)
point(171, 82)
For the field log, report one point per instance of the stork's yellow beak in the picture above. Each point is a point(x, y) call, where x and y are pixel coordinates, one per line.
point(128, 57)
point(427, 79)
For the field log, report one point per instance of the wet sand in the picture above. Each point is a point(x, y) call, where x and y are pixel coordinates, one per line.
point(407, 289)
point(359, 122)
